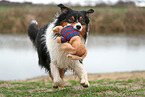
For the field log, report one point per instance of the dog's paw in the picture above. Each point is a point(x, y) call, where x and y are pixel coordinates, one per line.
point(84, 83)
point(57, 83)
point(55, 86)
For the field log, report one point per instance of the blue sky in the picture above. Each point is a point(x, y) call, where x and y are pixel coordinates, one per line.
point(82, 2)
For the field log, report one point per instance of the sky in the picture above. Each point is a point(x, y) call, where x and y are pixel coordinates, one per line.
point(81, 2)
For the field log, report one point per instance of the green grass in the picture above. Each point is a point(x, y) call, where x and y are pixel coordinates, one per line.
point(131, 87)
point(5, 8)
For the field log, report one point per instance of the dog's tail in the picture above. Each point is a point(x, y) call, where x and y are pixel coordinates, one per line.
point(33, 30)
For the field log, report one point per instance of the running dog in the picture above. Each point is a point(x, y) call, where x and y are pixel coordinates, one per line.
point(50, 55)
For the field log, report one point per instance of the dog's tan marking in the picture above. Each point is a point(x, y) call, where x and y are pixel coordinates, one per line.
point(73, 18)
point(81, 18)
point(83, 32)
point(61, 71)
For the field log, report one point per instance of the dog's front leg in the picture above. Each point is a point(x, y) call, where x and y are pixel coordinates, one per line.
point(82, 74)
point(56, 76)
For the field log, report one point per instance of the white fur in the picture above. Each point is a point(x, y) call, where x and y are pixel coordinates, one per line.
point(59, 59)
point(34, 22)
point(78, 24)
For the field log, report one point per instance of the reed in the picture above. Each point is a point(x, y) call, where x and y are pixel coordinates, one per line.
point(104, 20)
point(108, 21)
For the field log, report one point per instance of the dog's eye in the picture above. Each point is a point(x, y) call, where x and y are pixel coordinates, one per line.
point(70, 20)
point(82, 22)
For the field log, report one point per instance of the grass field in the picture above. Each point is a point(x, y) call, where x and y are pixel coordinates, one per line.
point(3, 8)
point(114, 84)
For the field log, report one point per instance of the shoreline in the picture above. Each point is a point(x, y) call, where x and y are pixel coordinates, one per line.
point(97, 76)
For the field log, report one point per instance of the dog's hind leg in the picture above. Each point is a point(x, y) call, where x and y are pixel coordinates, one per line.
point(56, 76)
point(82, 74)
point(50, 75)
point(61, 72)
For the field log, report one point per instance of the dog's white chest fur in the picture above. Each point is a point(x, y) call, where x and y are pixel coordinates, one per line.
point(57, 55)
point(59, 59)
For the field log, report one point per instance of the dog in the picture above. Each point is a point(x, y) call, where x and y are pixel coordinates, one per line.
point(50, 55)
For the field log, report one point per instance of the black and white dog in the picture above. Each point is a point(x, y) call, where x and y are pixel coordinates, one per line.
point(51, 56)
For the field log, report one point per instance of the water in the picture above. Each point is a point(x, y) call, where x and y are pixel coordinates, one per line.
point(18, 58)
point(115, 54)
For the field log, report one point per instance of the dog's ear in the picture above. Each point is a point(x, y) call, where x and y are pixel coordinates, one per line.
point(89, 11)
point(64, 9)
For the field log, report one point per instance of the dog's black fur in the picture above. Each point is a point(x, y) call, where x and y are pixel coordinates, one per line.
point(37, 35)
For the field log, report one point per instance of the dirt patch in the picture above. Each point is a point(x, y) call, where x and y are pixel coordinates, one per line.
point(115, 76)
point(95, 77)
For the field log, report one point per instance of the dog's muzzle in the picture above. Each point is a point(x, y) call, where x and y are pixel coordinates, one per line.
point(78, 26)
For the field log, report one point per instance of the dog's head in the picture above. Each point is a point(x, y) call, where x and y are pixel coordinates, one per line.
point(78, 19)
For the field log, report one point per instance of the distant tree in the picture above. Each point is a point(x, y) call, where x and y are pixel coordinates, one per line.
point(102, 5)
point(121, 3)
point(3, 0)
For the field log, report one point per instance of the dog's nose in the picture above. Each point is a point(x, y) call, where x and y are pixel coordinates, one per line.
point(78, 27)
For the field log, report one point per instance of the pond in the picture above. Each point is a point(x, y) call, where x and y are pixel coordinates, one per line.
point(118, 53)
